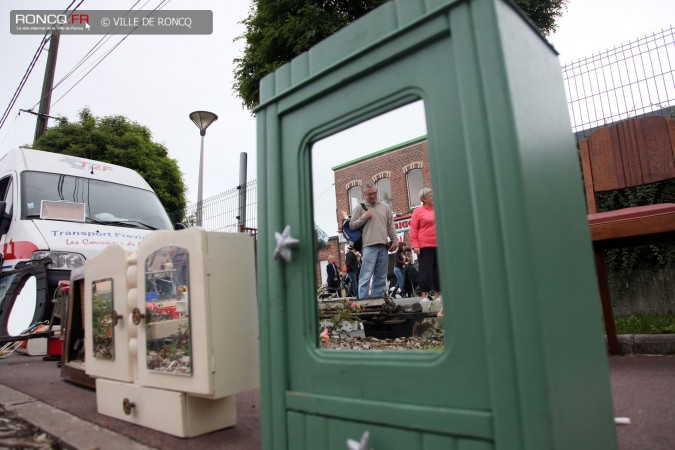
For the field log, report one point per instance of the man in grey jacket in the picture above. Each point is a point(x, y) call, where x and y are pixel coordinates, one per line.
point(378, 235)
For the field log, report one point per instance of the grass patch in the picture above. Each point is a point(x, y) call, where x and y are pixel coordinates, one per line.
point(645, 324)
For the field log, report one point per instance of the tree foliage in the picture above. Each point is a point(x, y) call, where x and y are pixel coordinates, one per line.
point(279, 30)
point(543, 13)
point(116, 140)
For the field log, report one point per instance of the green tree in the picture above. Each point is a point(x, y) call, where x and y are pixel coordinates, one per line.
point(279, 30)
point(543, 13)
point(117, 140)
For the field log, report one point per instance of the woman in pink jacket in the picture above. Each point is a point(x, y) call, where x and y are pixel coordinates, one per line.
point(423, 243)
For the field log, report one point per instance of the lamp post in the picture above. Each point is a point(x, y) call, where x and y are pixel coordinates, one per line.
point(202, 119)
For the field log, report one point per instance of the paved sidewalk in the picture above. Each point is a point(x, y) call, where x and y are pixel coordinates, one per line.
point(643, 388)
point(76, 432)
point(43, 389)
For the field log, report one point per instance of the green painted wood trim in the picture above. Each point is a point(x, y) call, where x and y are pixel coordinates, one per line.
point(266, 397)
point(386, 24)
point(494, 282)
point(311, 432)
point(362, 36)
point(512, 142)
point(545, 250)
point(456, 422)
point(274, 357)
point(379, 152)
point(556, 290)
point(360, 64)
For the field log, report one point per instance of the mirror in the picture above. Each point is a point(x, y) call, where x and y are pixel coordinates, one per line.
point(103, 328)
point(381, 164)
point(23, 309)
point(167, 296)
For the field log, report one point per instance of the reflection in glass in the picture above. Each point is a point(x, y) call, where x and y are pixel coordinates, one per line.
point(106, 202)
point(355, 197)
point(391, 151)
point(384, 191)
point(23, 310)
point(415, 185)
point(103, 329)
point(167, 296)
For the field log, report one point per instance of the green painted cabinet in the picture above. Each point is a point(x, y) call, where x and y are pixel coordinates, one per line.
point(524, 364)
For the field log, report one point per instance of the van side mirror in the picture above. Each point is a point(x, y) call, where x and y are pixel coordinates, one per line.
point(5, 219)
point(179, 226)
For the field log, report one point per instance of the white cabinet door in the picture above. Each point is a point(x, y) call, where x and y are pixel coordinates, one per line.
point(106, 313)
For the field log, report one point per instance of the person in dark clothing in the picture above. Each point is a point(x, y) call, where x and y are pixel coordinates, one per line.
point(353, 268)
point(400, 263)
point(333, 275)
point(410, 283)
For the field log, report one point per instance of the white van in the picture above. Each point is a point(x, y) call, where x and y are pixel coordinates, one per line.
point(69, 208)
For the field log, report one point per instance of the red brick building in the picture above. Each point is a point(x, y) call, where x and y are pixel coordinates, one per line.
point(399, 172)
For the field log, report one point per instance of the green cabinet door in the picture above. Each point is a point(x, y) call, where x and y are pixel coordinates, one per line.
point(523, 363)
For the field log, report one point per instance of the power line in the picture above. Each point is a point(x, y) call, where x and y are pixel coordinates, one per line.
point(22, 83)
point(159, 6)
point(29, 70)
point(96, 47)
point(91, 52)
point(324, 192)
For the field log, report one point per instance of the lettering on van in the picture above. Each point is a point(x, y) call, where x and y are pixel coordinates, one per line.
point(137, 237)
point(84, 165)
point(87, 241)
point(98, 238)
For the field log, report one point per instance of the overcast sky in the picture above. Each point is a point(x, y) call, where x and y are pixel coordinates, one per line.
point(154, 80)
point(158, 80)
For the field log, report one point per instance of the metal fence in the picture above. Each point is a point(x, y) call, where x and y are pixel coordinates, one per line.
point(631, 80)
point(222, 212)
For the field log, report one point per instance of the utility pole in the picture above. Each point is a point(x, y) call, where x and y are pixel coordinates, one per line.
point(47, 85)
point(242, 191)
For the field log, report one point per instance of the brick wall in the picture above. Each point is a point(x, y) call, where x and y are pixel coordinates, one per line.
point(393, 163)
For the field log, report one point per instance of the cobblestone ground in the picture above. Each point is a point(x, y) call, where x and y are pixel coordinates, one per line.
point(431, 342)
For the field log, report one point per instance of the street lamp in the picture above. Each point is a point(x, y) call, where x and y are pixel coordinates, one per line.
point(202, 119)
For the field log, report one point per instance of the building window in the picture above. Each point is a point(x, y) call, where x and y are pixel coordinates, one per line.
point(415, 185)
point(384, 191)
point(355, 197)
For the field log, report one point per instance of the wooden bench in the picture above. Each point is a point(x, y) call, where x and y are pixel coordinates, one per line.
point(630, 153)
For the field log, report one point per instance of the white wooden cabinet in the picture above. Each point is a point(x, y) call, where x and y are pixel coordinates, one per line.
point(171, 412)
point(106, 329)
point(173, 329)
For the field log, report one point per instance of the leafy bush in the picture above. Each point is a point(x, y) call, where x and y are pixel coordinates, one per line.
point(622, 263)
point(645, 324)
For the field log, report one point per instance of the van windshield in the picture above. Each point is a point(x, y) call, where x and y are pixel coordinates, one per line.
point(104, 201)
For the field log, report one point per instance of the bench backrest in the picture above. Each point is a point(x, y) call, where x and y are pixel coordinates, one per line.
point(629, 153)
